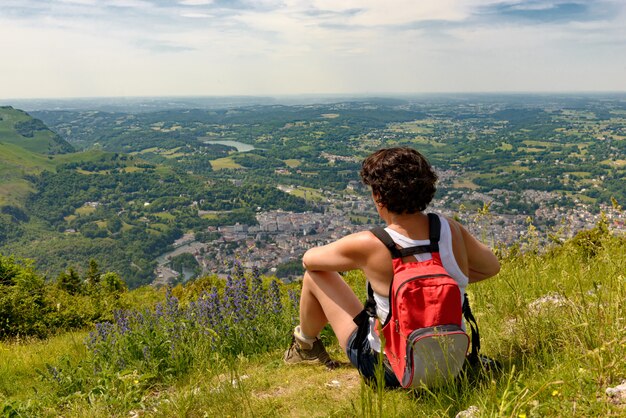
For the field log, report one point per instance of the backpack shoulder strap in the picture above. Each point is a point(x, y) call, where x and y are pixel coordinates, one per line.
point(434, 234)
point(380, 233)
point(434, 228)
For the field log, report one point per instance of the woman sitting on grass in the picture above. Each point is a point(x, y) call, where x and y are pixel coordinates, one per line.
point(403, 184)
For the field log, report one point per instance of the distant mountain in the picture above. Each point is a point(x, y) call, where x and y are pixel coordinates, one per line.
point(19, 128)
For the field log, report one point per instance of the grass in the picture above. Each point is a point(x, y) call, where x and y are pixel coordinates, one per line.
point(224, 163)
point(20, 362)
point(423, 127)
point(133, 169)
point(542, 144)
point(514, 168)
point(14, 157)
point(15, 163)
point(614, 163)
point(161, 227)
point(580, 173)
point(146, 150)
point(306, 193)
point(165, 216)
point(465, 182)
point(38, 143)
point(556, 321)
point(420, 140)
point(85, 210)
point(293, 163)
point(15, 192)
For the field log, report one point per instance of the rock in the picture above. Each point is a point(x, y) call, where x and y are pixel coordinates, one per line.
point(617, 394)
point(471, 412)
point(333, 384)
point(551, 300)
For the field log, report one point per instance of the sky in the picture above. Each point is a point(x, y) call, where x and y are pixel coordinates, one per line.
point(112, 48)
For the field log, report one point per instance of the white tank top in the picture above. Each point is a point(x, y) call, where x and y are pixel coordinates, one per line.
point(447, 259)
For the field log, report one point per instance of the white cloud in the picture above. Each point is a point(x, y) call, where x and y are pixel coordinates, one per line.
point(133, 4)
point(195, 2)
point(136, 47)
point(195, 15)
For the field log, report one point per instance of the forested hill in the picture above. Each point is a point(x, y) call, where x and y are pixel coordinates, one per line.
point(60, 207)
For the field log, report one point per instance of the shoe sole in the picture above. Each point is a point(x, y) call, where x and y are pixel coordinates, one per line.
point(303, 361)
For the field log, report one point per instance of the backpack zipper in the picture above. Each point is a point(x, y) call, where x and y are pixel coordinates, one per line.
point(425, 276)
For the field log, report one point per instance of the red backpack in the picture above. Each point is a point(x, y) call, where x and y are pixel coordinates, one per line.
point(423, 338)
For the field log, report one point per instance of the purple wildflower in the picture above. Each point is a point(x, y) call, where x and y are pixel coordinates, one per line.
point(294, 298)
point(276, 304)
point(121, 320)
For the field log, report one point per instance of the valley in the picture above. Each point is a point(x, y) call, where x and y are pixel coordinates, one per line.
point(123, 187)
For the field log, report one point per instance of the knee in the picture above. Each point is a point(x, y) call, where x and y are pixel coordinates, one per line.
point(308, 279)
point(312, 280)
point(320, 279)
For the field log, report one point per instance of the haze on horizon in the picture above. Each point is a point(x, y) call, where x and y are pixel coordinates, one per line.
point(110, 48)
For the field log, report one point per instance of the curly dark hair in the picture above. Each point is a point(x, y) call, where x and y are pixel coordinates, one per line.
point(401, 178)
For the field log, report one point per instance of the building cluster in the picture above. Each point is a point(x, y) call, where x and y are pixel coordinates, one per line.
point(282, 237)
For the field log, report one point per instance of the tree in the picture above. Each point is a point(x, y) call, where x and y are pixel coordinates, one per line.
point(70, 282)
point(22, 305)
point(112, 283)
point(93, 274)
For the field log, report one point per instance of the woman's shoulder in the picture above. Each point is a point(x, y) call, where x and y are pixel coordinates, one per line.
point(359, 242)
point(451, 224)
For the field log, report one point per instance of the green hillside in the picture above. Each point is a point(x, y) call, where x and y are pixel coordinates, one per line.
point(41, 176)
point(19, 128)
point(15, 163)
point(27, 147)
point(554, 318)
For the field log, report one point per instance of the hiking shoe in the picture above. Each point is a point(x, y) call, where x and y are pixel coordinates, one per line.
point(299, 353)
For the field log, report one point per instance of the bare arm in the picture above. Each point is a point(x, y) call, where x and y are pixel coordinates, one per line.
point(482, 263)
point(347, 253)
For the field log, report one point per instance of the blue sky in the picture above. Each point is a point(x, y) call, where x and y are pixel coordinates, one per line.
point(86, 48)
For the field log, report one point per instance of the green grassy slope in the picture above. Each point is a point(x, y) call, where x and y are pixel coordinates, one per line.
point(26, 147)
point(556, 321)
point(19, 128)
point(30, 148)
point(15, 163)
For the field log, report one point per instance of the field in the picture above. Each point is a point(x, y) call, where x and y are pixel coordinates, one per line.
point(306, 193)
point(224, 163)
point(415, 127)
point(293, 163)
point(465, 184)
point(556, 322)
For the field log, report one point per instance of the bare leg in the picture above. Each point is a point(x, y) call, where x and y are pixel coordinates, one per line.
point(326, 297)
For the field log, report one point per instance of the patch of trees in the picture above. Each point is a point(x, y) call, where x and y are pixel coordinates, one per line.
point(226, 196)
point(289, 269)
point(207, 236)
point(27, 128)
point(30, 306)
point(10, 229)
point(185, 261)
